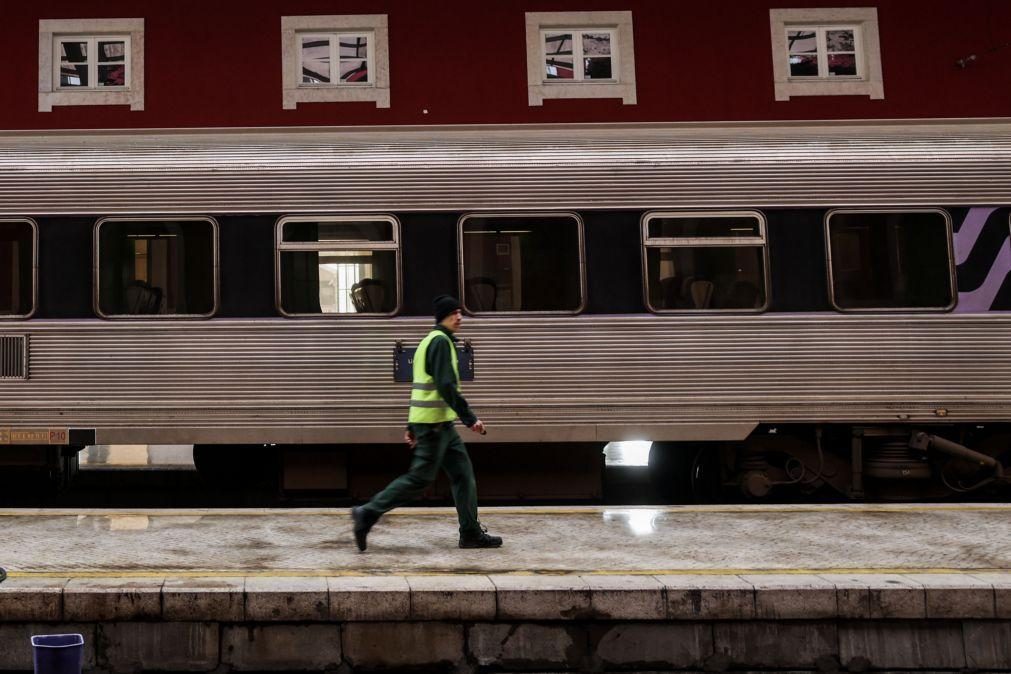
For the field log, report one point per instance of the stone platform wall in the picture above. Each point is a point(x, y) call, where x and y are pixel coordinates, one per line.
point(518, 623)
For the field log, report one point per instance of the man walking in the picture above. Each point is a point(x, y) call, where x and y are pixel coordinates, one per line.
point(435, 404)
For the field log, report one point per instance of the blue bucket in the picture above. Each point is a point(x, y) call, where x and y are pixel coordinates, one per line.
point(58, 653)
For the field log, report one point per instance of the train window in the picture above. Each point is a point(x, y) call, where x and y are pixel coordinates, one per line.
point(705, 261)
point(885, 260)
point(522, 263)
point(18, 265)
point(156, 267)
point(338, 265)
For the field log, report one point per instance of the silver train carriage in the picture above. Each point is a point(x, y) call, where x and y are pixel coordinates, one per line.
point(809, 306)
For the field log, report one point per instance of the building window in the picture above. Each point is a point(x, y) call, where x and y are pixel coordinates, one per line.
point(338, 265)
point(156, 268)
point(350, 53)
point(91, 62)
point(522, 263)
point(580, 55)
point(826, 52)
point(18, 268)
point(890, 260)
point(705, 261)
point(335, 59)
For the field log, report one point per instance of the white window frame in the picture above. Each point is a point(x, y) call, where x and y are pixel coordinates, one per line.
point(377, 89)
point(281, 246)
point(864, 22)
point(618, 24)
point(335, 59)
point(578, 74)
point(92, 63)
point(821, 53)
point(52, 31)
point(759, 241)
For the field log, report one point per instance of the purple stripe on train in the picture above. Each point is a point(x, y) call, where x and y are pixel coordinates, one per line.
point(981, 299)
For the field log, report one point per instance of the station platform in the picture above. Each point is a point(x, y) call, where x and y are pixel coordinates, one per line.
point(805, 588)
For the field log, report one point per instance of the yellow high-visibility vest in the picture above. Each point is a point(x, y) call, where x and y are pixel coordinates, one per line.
point(427, 406)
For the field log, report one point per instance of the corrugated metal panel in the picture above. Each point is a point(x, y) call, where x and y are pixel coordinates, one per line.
point(13, 357)
point(464, 169)
point(557, 372)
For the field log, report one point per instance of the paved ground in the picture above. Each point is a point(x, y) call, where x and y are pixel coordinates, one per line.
point(691, 539)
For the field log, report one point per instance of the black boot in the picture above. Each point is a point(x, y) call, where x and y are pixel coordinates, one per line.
point(363, 521)
point(481, 539)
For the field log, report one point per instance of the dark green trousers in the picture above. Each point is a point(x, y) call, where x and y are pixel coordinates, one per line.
point(439, 446)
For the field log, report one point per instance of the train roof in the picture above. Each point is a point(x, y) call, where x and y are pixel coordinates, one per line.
point(572, 167)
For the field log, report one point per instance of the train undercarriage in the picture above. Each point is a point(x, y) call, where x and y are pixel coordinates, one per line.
point(873, 463)
point(785, 462)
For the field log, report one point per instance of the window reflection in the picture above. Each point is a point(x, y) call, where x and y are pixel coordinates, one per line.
point(321, 53)
point(821, 51)
point(156, 267)
point(73, 64)
point(93, 62)
point(890, 260)
point(17, 241)
point(529, 263)
point(578, 55)
point(315, 60)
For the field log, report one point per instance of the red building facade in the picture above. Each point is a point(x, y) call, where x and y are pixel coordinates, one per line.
point(219, 64)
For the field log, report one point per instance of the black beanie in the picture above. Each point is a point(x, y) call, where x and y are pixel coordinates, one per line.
point(443, 306)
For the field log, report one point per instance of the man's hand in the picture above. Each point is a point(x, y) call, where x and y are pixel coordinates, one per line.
point(478, 427)
point(410, 439)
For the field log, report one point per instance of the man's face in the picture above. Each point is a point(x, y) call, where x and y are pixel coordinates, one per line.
point(452, 321)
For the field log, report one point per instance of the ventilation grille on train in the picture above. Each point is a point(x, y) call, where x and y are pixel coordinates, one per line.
point(13, 357)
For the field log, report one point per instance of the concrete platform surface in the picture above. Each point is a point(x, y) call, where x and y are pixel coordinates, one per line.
point(812, 588)
point(733, 540)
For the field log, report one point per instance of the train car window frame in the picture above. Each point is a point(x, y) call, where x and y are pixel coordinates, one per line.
point(581, 242)
point(622, 48)
point(54, 31)
point(760, 241)
point(215, 257)
point(376, 90)
point(393, 244)
point(952, 283)
point(35, 269)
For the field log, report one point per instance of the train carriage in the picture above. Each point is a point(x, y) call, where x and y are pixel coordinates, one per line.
point(775, 306)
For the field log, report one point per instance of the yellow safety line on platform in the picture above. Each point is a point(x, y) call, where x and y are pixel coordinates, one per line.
point(508, 510)
point(340, 573)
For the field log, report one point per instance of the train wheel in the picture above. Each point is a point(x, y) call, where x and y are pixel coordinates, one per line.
point(685, 472)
